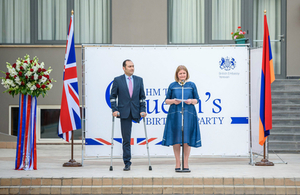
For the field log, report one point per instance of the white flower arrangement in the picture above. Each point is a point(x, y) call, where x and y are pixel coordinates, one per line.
point(27, 77)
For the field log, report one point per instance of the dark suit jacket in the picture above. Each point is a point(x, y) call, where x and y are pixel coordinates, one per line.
point(136, 104)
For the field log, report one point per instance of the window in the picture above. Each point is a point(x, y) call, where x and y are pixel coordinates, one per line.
point(200, 21)
point(47, 21)
point(226, 17)
point(14, 116)
point(52, 20)
point(273, 8)
point(92, 21)
point(15, 21)
point(47, 124)
point(186, 21)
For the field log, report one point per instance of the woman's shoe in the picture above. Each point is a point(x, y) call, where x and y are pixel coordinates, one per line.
point(186, 170)
point(177, 169)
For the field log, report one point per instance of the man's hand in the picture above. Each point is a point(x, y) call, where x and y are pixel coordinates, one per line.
point(143, 114)
point(116, 113)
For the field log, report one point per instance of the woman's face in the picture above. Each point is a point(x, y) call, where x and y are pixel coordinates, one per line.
point(182, 75)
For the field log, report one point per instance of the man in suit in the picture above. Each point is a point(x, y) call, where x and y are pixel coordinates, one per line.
point(129, 89)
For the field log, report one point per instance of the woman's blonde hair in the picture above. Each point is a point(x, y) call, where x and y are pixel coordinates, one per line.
point(179, 68)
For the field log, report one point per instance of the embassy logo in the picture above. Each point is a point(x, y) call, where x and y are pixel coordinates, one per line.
point(227, 63)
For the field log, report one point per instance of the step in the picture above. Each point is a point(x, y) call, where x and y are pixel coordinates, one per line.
point(286, 107)
point(155, 189)
point(281, 100)
point(152, 185)
point(285, 96)
point(279, 145)
point(288, 87)
point(284, 151)
point(285, 121)
point(284, 137)
point(286, 81)
point(285, 114)
point(285, 93)
point(285, 129)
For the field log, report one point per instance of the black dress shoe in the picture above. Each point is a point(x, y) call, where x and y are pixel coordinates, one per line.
point(177, 169)
point(126, 168)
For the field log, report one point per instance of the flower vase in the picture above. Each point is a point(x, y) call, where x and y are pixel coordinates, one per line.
point(26, 158)
point(240, 41)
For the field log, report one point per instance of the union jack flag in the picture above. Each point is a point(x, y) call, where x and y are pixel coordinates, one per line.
point(69, 118)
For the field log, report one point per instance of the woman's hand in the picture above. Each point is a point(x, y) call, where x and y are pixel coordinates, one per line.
point(172, 101)
point(176, 102)
point(189, 101)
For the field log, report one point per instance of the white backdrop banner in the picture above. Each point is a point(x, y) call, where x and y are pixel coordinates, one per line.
point(221, 75)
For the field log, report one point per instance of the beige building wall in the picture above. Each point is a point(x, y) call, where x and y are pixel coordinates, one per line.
point(139, 22)
point(292, 38)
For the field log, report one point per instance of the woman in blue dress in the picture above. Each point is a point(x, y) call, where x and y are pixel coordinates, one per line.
point(173, 133)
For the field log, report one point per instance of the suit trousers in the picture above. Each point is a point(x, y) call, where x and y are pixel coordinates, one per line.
point(126, 125)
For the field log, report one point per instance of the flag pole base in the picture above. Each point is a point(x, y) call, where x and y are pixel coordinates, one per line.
point(72, 163)
point(264, 162)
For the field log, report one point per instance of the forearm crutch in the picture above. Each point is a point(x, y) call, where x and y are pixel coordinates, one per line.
point(112, 143)
point(150, 168)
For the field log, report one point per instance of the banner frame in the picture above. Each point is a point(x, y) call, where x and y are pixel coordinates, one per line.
point(127, 45)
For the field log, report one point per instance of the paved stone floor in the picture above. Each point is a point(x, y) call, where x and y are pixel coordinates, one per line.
point(51, 158)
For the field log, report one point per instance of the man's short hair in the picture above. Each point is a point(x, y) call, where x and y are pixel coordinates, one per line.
point(124, 63)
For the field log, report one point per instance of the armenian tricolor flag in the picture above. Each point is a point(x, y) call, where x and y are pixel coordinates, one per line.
point(267, 77)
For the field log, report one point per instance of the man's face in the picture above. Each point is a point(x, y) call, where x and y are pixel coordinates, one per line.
point(129, 68)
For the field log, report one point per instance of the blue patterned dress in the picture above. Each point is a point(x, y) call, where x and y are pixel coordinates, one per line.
point(172, 132)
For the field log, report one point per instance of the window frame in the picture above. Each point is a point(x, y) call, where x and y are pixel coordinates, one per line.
point(209, 33)
point(208, 23)
point(34, 24)
point(38, 124)
point(10, 118)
